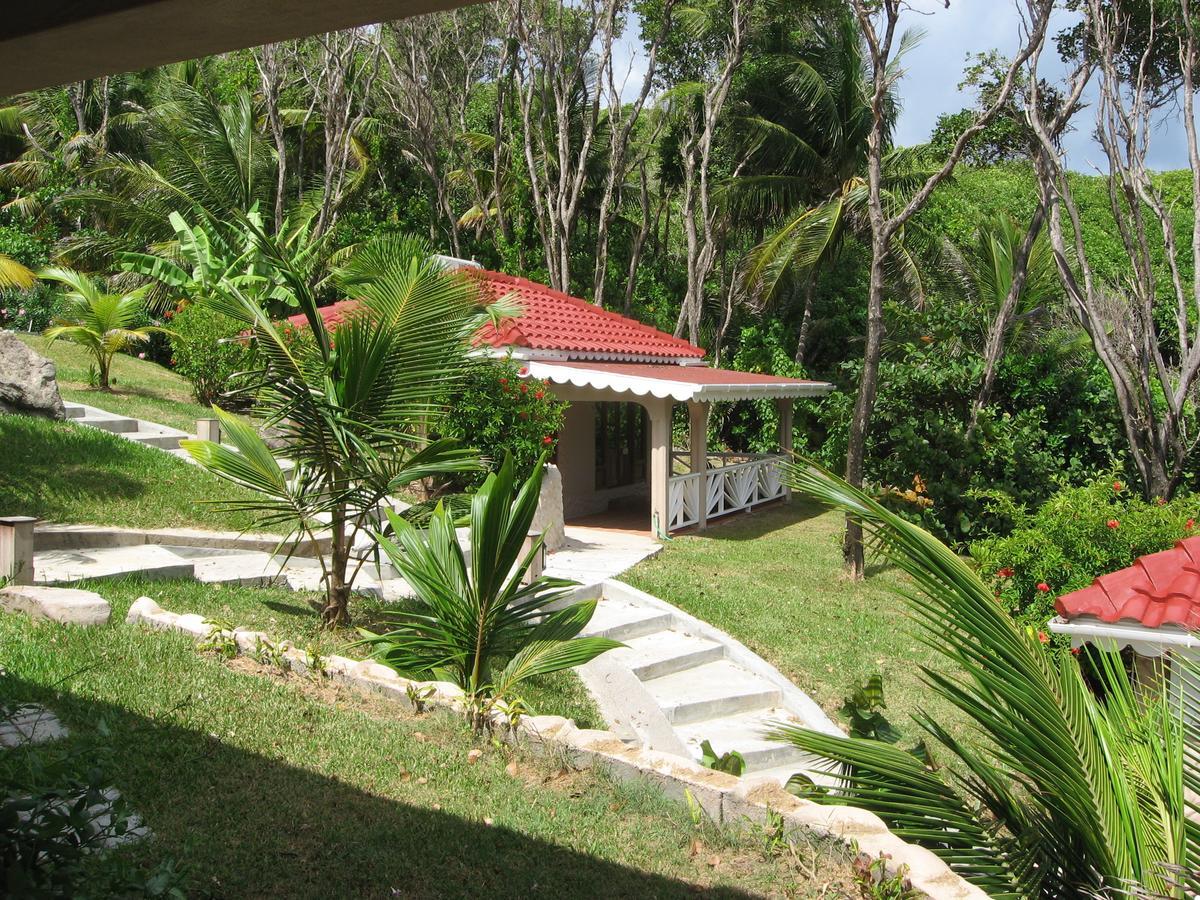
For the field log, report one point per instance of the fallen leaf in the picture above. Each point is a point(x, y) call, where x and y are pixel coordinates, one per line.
point(714, 861)
point(487, 820)
point(422, 780)
point(473, 756)
point(696, 847)
point(512, 769)
point(420, 736)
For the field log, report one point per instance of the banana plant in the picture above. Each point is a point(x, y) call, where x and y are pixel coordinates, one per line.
point(478, 621)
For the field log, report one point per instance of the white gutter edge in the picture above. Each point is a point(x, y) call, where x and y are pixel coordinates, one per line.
point(1140, 638)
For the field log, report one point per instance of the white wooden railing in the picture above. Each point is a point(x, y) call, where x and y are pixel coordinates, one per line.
point(732, 483)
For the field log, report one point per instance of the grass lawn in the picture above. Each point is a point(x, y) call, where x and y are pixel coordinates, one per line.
point(67, 473)
point(264, 786)
point(142, 390)
point(286, 615)
point(773, 579)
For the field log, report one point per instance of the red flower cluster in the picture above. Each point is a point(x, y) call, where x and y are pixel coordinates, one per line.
point(1043, 587)
point(1117, 486)
point(1043, 637)
point(1006, 572)
point(547, 440)
point(1191, 524)
point(1113, 523)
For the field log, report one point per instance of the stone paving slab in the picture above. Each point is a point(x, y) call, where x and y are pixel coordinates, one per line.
point(59, 604)
point(31, 725)
point(150, 561)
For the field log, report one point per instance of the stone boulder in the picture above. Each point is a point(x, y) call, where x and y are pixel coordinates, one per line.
point(27, 381)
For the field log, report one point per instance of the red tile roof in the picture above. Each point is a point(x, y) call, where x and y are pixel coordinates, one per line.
point(1159, 589)
point(332, 315)
point(552, 320)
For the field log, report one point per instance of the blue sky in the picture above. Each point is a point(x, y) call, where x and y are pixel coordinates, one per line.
point(934, 69)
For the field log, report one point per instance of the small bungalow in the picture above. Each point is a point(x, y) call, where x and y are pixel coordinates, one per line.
point(622, 379)
point(1151, 609)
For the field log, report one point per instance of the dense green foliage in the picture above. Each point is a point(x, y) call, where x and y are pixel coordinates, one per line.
point(499, 413)
point(1078, 534)
point(207, 351)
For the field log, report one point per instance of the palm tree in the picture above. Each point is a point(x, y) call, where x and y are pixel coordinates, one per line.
point(1055, 792)
point(103, 323)
point(352, 403)
point(477, 622)
point(15, 275)
point(808, 123)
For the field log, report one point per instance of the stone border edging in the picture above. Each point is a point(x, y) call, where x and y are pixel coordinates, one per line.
point(53, 536)
point(723, 797)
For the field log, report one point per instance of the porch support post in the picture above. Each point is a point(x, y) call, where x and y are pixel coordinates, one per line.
point(16, 549)
point(698, 449)
point(660, 464)
point(786, 426)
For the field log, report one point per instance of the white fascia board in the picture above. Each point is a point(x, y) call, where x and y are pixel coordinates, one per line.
point(1141, 639)
point(663, 387)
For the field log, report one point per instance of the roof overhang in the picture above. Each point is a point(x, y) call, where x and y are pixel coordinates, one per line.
point(681, 383)
point(59, 41)
point(1143, 640)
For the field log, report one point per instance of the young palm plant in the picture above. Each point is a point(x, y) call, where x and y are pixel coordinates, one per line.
point(1056, 792)
point(103, 323)
point(351, 403)
point(477, 623)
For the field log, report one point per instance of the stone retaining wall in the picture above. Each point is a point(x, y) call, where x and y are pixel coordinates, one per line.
point(725, 798)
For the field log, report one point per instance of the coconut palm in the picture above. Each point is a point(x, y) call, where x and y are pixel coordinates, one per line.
point(1054, 792)
point(476, 621)
point(103, 323)
point(351, 402)
point(807, 125)
point(15, 275)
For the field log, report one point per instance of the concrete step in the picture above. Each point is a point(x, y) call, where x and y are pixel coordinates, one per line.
point(744, 733)
point(115, 424)
point(711, 691)
point(147, 560)
point(75, 410)
point(161, 440)
point(665, 652)
point(624, 621)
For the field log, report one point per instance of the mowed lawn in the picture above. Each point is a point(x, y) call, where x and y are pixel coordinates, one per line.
point(142, 390)
point(61, 472)
point(774, 580)
point(264, 786)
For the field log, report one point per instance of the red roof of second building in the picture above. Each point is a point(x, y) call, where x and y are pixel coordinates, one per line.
point(552, 320)
point(1159, 589)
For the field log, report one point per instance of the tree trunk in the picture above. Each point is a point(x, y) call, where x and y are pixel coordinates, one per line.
point(864, 406)
point(337, 592)
point(810, 285)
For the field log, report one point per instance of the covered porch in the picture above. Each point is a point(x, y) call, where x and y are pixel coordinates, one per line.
point(617, 455)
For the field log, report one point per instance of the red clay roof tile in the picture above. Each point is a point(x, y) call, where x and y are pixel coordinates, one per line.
point(1159, 589)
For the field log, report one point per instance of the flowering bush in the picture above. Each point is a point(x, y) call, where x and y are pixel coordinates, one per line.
point(29, 310)
point(1075, 536)
point(498, 410)
point(201, 353)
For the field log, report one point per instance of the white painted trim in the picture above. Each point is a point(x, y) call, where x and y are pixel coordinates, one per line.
point(663, 388)
point(527, 354)
point(1109, 636)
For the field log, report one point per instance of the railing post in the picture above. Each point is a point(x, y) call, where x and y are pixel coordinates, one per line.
point(698, 452)
point(538, 564)
point(209, 430)
point(16, 549)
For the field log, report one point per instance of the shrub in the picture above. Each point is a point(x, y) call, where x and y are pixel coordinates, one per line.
point(29, 310)
point(499, 412)
point(202, 353)
point(1075, 536)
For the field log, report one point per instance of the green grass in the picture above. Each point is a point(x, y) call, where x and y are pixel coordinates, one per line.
point(142, 390)
point(263, 786)
point(61, 472)
point(288, 615)
point(774, 580)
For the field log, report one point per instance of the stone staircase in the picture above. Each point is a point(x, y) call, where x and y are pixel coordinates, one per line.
point(705, 685)
point(148, 434)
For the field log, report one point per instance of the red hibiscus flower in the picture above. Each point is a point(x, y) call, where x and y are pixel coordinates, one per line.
point(547, 440)
point(1043, 587)
point(1006, 572)
point(1113, 523)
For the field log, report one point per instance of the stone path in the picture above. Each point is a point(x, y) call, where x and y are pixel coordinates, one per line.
point(30, 724)
point(692, 682)
point(592, 555)
point(148, 434)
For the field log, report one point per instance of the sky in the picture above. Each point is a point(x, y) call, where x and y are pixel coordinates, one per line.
point(935, 68)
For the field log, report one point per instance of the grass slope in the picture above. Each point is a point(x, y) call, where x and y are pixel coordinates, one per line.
point(61, 472)
point(142, 390)
point(269, 787)
point(287, 615)
point(774, 581)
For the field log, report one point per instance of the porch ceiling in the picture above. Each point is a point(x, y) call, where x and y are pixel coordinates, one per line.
point(57, 41)
point(682, 383)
